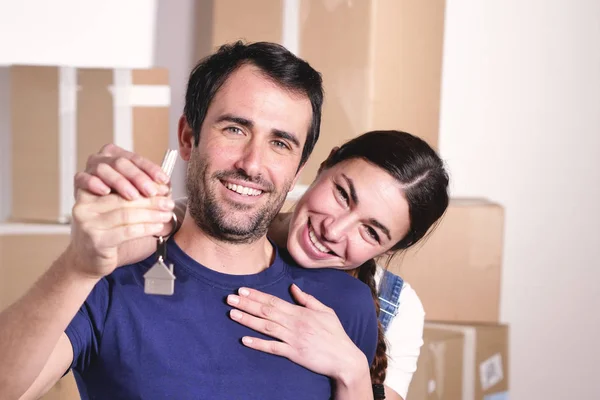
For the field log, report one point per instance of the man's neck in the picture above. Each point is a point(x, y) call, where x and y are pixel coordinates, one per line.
point(224, 257)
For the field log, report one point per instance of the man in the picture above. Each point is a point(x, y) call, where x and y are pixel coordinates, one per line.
point(251, 119)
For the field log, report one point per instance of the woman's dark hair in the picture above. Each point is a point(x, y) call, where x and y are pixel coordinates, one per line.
point(424, 182)
point(275, 61)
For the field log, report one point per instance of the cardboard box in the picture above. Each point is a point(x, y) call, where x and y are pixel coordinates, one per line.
point(461, 362)
point(26, 251)
point(456, 271)
point(381, 60)
point(61, 115)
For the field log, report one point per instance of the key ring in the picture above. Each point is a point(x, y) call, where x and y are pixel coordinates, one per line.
point(173, 229)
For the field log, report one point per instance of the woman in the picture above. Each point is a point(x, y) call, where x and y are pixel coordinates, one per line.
point(333, 226)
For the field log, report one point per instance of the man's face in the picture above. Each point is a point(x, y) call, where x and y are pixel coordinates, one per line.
point(248, 155)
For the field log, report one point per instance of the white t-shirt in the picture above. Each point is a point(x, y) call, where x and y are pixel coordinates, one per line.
point(404, 338)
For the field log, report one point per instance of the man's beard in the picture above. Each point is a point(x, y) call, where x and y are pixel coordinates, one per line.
point(216, 218)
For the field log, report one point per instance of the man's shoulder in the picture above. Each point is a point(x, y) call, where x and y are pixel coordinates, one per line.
point(335, 288)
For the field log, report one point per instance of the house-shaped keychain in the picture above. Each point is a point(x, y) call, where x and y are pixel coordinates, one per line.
point(160, 279)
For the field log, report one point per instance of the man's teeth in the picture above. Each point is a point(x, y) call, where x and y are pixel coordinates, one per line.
point(318, 245)
point(243, 189)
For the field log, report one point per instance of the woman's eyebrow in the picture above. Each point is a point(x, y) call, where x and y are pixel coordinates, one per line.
point(353, 195)
point(383, 228)
point(354, 198)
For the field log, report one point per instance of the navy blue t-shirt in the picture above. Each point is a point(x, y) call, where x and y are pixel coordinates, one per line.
point(130, 345)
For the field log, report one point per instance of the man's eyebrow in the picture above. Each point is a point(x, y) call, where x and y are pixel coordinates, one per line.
point(354, 197)
point(383, 228)
point(235, 119)
point(287, 136)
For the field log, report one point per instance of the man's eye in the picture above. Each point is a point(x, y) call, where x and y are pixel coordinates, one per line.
point(342, 194)
point(281, 144)
point(233, 129)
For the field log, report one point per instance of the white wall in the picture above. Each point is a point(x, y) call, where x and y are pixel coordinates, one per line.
point(111, 33)
point(521, 124)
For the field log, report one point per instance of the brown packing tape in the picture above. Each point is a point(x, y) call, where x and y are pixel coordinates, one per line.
point(34, 97)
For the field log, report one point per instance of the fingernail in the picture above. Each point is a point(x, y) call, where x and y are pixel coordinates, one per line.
point(247, 340)
point(150, 189)
point(167, 204)
point(133, 194)
point(164, 189)
point(235, 314)
point(233, 299)
point(244, 292)
point(163, 178)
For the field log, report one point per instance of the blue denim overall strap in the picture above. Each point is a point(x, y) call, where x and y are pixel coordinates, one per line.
point(389, 297)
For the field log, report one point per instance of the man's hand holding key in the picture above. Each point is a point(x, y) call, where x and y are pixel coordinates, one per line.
point(139, 209)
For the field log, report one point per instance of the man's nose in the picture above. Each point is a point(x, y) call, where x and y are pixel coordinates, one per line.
point(251, 159)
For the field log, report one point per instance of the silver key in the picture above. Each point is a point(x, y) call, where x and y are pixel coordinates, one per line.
point(160, 279)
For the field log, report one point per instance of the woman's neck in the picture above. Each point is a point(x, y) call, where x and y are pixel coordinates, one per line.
point(279, 229)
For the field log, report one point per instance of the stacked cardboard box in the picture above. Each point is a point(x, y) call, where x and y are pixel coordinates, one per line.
point(26, 251)
point(58, 117)
point(381, 63)
point(61, 115)
point(381, 60)
point(456, 273)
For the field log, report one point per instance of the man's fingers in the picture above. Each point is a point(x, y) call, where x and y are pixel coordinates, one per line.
point(264, 326)
point(122, 234)
point(132, 216)
point(103, 204)
point(269, 346)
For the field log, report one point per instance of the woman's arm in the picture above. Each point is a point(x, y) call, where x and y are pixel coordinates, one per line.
point(404, 337)
point(310, 335)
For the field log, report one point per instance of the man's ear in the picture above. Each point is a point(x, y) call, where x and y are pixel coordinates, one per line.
point(331, 154)
point(297, 177)
point(185, 137)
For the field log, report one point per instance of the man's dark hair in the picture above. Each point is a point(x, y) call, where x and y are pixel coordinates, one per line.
point(275, 61)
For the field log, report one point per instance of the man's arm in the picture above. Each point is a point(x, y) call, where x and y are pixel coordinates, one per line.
point(59, 362)
point(33, 325)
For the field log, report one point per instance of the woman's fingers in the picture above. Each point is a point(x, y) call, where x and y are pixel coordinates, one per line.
point(269, 300)
point(267, 311)
point(265, 326)
point(269, 346)
point(307, 300)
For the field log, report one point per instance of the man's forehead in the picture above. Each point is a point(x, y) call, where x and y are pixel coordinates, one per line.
point(252, 96)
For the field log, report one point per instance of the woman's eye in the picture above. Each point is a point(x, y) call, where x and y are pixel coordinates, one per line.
point(342, 193)
point(373, 233)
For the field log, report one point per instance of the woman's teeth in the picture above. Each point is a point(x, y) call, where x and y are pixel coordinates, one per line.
point(315, 241)
point(246, 191)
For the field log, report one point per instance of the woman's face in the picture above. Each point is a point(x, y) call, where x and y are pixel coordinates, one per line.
point(351, 213)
